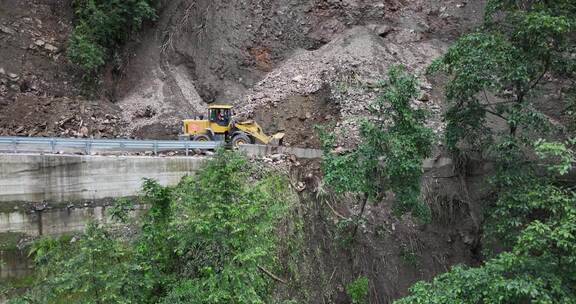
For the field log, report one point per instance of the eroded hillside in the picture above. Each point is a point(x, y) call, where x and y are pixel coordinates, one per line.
point(292, 64)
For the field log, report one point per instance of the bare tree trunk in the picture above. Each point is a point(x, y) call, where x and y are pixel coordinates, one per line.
point(364, 202)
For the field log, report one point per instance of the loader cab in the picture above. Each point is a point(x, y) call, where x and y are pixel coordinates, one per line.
point(219, 117)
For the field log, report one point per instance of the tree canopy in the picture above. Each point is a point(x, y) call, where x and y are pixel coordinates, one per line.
point(211, 239)
point(497, 73)
point(393, 144)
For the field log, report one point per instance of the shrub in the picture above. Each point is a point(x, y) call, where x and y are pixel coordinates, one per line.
point(390, 155)
point(103, 25)
point(358, 290)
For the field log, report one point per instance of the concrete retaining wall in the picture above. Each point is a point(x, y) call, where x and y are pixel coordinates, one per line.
point(60, 178)
point(57, 221)
point(262, 150)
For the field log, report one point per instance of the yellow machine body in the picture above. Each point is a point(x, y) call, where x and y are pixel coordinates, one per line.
point(221, 126)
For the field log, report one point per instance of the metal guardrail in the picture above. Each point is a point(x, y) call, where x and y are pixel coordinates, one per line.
point(53, 145)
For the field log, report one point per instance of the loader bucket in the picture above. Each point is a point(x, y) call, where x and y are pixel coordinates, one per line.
point(276, 139)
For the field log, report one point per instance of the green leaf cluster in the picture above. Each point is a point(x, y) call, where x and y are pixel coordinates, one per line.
point(102, 26)
point(211, 239)
point(394, 143)
point(227, 233)
point(93, 269)
point(358, 290)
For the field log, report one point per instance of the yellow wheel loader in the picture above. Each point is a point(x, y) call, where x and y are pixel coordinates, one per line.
point(222, 126)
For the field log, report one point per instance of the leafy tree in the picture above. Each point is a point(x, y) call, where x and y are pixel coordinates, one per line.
point(211, 239)
point(103, 25)
point(227, 234)
point(394, 142)
point(523, 46)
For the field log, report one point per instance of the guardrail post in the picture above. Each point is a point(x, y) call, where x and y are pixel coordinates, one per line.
point(187, 148)
point(87, 148)
point(155, 148)
point(53, 145)
point(123, 146)
point(15, 143)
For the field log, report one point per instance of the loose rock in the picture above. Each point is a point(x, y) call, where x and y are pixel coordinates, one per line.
point(7, 30)
point(51, 48)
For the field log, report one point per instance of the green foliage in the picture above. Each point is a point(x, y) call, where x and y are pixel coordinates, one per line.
point(541, 268)
point(82, 50)
point(102, 25)
point(508, 59)
point(561, 156)
point(345, 231)
point(531, 221)
point(120, 212)
point(94, 269)
point(227, 233)
point(211, 239)
point(9, 241)
point(409, 256)
point(358, 290)
point(394, 142)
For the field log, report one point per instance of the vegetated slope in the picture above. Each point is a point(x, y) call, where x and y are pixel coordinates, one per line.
point(40, 92)
point(391, 252)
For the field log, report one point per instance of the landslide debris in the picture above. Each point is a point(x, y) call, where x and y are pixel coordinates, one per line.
point(57, 117)
point(345, 74)
point(290, 63)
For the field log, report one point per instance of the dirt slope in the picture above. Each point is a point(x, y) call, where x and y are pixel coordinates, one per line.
point(392, 252)
point(307, 55)
point(40, 92)
point(257, 54)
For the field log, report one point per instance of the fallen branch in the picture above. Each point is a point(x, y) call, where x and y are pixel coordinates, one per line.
point(271, 275)
point(340, 216)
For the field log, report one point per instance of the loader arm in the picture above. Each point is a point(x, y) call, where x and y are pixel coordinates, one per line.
point(253, 129)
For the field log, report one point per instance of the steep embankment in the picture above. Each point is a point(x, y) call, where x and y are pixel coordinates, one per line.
point(292, 63)
point(393, 253)
point(40, 91)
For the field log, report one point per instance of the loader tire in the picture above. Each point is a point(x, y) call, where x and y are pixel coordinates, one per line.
point(240, 139)
point(202, 137)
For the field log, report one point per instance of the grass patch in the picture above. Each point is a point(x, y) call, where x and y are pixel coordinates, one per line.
point(9, 240)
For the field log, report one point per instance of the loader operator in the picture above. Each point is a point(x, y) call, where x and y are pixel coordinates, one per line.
point(221, 117)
